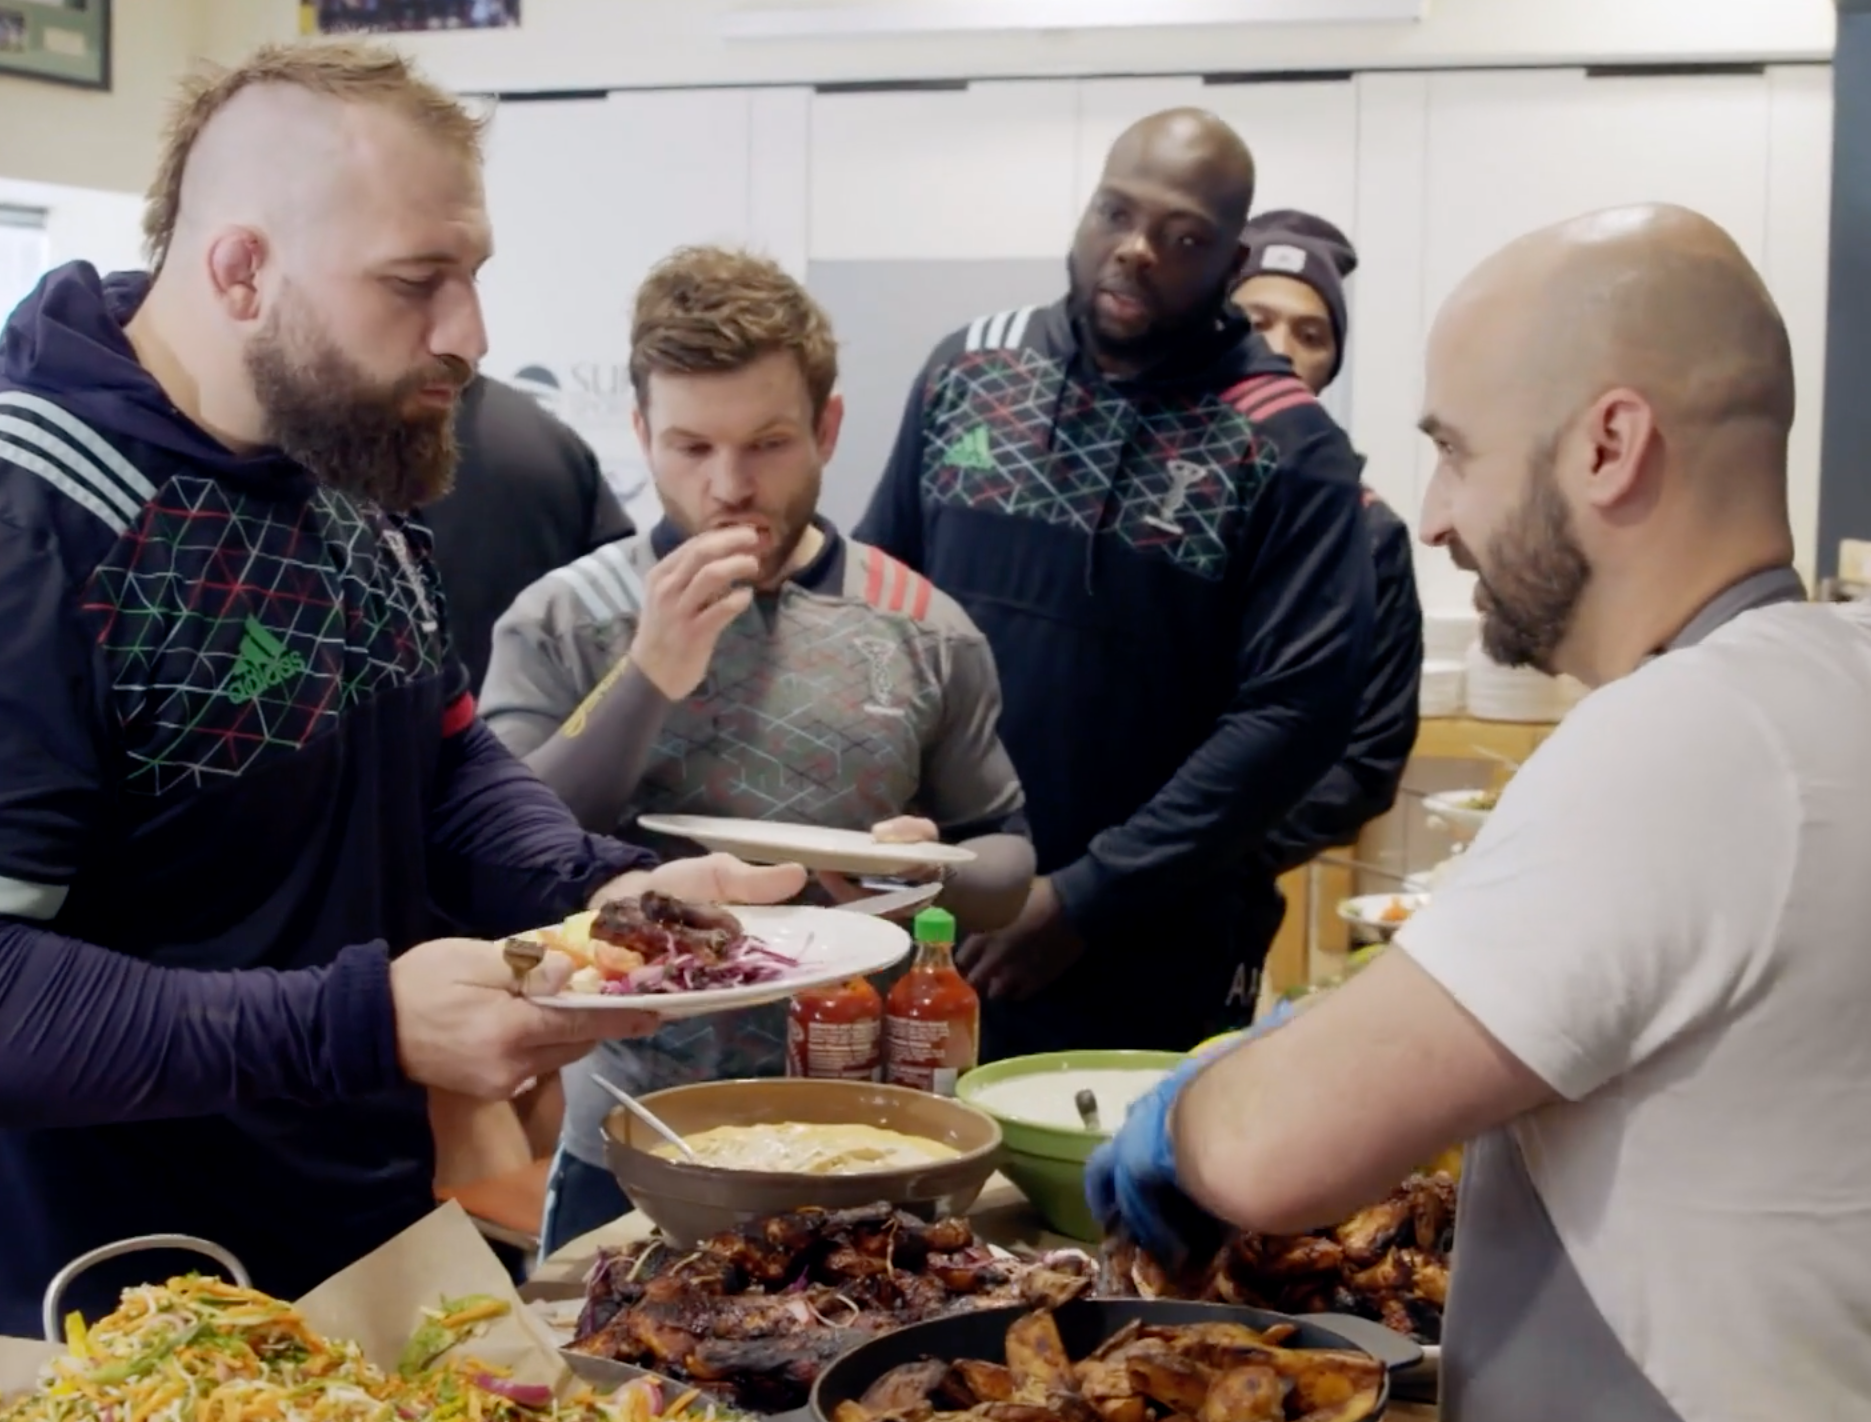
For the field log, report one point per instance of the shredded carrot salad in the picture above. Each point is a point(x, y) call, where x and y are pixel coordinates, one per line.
point(200, 1350)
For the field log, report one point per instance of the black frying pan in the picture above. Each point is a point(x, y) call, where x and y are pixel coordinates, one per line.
point(1084, 1324)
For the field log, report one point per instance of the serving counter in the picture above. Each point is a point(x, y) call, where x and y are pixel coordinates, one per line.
point(1001, 1216)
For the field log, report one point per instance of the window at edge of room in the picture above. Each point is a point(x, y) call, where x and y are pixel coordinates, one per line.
point(25, 253)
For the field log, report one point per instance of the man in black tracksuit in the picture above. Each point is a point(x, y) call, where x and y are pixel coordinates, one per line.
point(1293, 290)
point(528, 499)
point(1157, 527)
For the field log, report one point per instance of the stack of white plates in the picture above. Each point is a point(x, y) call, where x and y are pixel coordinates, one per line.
point(1441, 692)
point(1497, 693)
point(1448, 634)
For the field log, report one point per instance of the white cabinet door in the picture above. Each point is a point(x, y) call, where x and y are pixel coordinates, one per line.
point(587, 195)
point(981, 172)
point(1799, 218)
point(1509, 152)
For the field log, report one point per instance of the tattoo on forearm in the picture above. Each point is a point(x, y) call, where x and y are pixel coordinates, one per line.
point(575, 723)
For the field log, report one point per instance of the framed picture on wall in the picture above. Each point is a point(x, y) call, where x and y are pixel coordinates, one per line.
point(328, 17)
point(63, 41)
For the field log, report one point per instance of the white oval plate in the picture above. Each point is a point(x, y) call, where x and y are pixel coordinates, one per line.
point(1453, 808)
point(830, 945)
point(810, 846)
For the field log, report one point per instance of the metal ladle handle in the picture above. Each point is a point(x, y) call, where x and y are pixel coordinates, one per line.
point(50, 1318)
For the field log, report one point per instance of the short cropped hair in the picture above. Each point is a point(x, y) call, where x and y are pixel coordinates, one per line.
point(351, 71)
point(713, 310)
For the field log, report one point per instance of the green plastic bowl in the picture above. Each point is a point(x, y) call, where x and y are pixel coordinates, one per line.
point(1047, 1163)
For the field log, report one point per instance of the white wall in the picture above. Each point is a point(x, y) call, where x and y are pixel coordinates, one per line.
point(83, 224)
point(586, 195)
point(1451, 166)
point(573, 44)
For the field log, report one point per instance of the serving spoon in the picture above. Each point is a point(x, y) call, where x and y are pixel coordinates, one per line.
point(648, 1117)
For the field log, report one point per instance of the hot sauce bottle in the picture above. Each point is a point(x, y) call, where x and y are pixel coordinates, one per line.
point(836, 1032)
point(932, 1022)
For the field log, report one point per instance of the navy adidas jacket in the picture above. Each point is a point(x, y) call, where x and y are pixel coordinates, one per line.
point(1176, 581)
point(1364, 782)
point(239, 770)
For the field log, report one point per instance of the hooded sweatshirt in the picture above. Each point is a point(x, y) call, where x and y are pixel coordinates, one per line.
point(239, 770)
point(1176, 581)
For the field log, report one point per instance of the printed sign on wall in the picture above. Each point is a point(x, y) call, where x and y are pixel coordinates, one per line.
point(593, 396)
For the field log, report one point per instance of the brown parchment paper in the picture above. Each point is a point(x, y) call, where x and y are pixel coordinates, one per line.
point(378, 1302)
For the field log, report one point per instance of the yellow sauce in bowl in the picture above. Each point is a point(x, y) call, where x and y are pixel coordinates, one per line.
point(800, 1148)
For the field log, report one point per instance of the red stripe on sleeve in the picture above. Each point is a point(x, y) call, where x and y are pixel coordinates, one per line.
point(899, 585)
point(1281, 393)
point(1240, 394)
point(1282, 405)
point(924, 591)
point(873, 577)
point(458, 715)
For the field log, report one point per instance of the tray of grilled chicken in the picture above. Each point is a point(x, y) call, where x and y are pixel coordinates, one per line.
point(755, 1315)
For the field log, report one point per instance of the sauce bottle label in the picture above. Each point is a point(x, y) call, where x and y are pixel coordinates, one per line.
point(840, 1051)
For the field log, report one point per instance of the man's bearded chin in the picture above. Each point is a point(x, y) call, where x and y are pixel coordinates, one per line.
point(355, 435)
point(1534, 577)
point(1163, 339)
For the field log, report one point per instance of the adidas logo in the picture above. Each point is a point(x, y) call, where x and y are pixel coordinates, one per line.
point(972, 451)
point(264, 662)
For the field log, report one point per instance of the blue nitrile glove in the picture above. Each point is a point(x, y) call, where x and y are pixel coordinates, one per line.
point(1130, 1181)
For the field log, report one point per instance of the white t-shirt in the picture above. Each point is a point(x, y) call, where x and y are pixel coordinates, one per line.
point(1668, 919)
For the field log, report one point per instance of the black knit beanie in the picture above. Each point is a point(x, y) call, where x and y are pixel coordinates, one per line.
point(1309, 249)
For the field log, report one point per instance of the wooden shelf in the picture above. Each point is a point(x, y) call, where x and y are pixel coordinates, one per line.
point(1464, 738)
point(1289, 961)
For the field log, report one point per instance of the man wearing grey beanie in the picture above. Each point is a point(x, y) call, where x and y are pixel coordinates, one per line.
point(1293, 290)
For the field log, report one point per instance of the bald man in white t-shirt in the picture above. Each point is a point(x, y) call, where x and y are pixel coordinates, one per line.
point(1642, 995)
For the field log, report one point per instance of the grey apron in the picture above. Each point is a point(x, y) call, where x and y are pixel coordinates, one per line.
point(1523, 1341)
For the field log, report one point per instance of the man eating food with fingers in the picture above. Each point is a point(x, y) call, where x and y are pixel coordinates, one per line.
point(745, 659)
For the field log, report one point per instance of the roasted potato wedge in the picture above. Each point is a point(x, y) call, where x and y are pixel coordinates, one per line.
point(1036, 1355)
point(1252, 1394)
point(1178, 1383)
point(988, 1382)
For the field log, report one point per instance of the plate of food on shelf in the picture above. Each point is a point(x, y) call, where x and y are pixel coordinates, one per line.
point(664, 955)
point(1464, 811)
point(1381, 914)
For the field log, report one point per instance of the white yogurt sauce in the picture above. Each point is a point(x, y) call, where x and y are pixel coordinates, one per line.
point(1048, 1098)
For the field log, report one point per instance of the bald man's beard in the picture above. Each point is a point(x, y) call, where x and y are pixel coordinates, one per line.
point(354, 434)
point(1534, 574)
